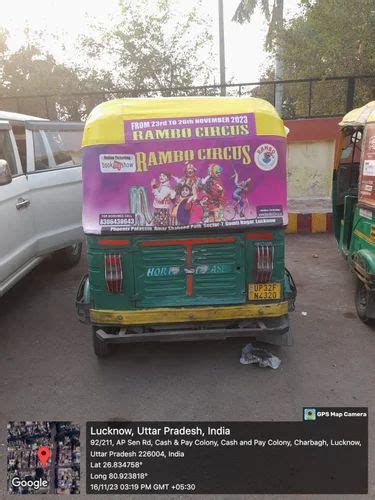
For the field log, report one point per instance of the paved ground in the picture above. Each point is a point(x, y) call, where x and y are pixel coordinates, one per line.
point(48, 370)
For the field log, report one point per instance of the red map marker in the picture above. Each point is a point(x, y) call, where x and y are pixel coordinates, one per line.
point(43, 454)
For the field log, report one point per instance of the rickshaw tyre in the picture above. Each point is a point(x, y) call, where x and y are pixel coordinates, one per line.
point(361, 303)
point(101, 349)
point(68, 257)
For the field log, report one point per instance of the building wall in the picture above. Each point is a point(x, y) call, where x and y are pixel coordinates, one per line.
point(310, 175)
point(310, 159)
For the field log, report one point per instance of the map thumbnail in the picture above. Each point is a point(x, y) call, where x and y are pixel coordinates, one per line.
point(43, 458)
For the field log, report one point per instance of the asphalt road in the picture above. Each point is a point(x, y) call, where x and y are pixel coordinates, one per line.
point(49, 372)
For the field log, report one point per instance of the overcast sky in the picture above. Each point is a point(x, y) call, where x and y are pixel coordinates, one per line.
point(245, 56)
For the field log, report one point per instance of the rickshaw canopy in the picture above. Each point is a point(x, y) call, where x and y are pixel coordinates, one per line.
point(360, 116)
point(105, 123)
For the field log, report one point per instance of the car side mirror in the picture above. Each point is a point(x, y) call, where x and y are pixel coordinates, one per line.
point(5, 173)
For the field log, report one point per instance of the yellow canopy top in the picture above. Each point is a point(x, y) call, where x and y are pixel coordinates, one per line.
point(105, 124)
point(359, 116)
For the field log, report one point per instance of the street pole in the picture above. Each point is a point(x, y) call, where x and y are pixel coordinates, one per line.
point(222, 48)
point(279, 20)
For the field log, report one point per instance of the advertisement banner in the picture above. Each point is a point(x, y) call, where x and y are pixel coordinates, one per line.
point(366, 195)
point(185, 173)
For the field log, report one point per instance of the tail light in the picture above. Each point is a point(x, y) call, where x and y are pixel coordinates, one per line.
point(264, 254)
point(113, 272)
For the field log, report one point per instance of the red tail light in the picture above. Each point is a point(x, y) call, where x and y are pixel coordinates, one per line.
point(264, 253)
point(113, 272)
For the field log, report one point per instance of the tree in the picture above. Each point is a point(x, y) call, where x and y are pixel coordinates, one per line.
point(30, 71)
point(151, 48)
point(327, 38)
point(272, 11)
point(274, 15)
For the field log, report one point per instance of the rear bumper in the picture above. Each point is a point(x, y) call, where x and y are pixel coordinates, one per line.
point(267, 322)
point(171, 315)
point(275, 332)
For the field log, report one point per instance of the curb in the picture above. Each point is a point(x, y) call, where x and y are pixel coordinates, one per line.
point(310, 223)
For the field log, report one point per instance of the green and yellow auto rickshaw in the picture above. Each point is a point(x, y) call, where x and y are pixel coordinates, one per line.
point(354, 203)
point(184, 213)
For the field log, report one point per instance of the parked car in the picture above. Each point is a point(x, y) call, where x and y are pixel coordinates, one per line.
point(40, 194)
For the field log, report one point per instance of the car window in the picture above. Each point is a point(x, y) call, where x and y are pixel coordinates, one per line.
point(20, 136)
point(65, 146)
point(7, 152)
point(40, 152)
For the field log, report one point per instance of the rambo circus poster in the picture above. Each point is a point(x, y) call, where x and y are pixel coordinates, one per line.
point(185, 173)
point(366, 184)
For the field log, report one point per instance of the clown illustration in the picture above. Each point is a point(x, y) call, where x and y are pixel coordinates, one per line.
point(163, 196)
point(215, 193)
point(190, 178)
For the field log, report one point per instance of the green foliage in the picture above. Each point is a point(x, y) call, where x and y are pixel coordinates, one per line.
point(330, 38)
point(245, 11)
point(148, 47)
point(327, 38)
point(30, 71)
point(152, 48)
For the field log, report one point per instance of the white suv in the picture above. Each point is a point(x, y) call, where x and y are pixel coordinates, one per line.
point(40, 194)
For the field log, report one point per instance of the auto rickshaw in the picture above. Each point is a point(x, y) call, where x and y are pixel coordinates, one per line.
point(184, 214)
point(353, 200)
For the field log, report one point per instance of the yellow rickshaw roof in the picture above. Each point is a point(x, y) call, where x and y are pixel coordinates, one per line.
point(359, 116)
point(105, 123)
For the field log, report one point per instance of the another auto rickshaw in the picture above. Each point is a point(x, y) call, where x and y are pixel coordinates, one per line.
point(353, 200)
point(184, 213)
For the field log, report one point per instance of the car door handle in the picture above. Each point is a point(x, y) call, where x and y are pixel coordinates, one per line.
point(22, 203)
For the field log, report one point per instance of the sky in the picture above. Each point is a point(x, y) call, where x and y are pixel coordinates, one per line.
point(66, 19)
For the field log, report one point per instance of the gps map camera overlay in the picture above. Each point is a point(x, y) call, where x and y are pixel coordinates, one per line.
point(43, 458)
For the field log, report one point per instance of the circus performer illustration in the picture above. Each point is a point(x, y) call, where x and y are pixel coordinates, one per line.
point(189, 189)
point(180, 214)
point(240, 193)
point(163, 196)
point(215, 193)
point(190, 177)
point(196, 205)
point(139, 205)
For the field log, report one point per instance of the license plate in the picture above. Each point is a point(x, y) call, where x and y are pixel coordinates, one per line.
point(264, 291)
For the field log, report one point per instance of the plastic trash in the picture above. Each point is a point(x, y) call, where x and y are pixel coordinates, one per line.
point(251, 354)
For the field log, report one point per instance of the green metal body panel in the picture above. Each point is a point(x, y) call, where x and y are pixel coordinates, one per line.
point(218, 275)
point(363, 240)
point(354, 232)
point(155, 273)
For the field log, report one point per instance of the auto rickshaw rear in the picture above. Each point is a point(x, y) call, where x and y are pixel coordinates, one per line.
point(184, 211)
point(354, 202)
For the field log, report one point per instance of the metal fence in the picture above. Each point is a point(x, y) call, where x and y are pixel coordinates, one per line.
point(302, 98)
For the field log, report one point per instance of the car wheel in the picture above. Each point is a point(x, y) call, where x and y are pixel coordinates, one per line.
point(101, 349)
point(362, 303)
point(69, 256)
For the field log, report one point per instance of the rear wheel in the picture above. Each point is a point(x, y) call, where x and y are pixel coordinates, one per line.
point(101, 349)
point(362, 296)
point(68, 257)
